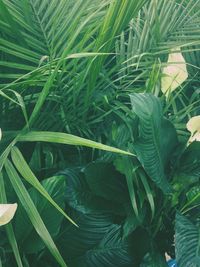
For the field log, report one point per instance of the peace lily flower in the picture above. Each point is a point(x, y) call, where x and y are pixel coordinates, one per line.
point(193, 126)
point(7, 211)
point(175, 73)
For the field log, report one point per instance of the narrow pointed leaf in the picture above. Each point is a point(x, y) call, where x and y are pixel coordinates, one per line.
point(68, 139)
point(29, 176)
point(9, 228)
point(32, 212)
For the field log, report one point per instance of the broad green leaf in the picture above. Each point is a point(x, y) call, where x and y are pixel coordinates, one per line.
point(80, 197)
point(97, 242)
point(32, 212)
point(111, 250)
point(175, 73)
point(68, 139)
point(26, 172)
point(193, 126)
point(106, 182)
point(92, 229)
point(189, 164)
point(187, 242)
point(152, 152)
point(7, 212)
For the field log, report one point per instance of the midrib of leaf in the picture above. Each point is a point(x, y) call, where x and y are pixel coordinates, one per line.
point(41, 27)
point(105, 249)
point(156, 145)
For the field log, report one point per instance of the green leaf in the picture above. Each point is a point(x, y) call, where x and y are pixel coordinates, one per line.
point(92, 229)
point(111, 250)
point(97, 242)
point(149, 147)
point(126, 166)
point(68, 139)
point(193, 195)
point(5, 14)
point(154, 259)
point(26, 172)
point(106, 182)
point(32, 212)
point(80, 197)
point(187, 242)
point(56, 187)
point(190, 161)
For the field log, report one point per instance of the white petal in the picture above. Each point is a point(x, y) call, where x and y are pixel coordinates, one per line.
point(0, 134)
point(195, 137)
point(7, 211)
point(175, 73)
point(193, 124)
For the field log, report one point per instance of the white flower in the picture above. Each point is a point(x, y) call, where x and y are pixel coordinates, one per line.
point(193, 126)
point(7, 211)
point(175, 73)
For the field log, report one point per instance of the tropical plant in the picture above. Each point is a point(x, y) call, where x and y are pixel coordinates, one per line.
point(76, 71)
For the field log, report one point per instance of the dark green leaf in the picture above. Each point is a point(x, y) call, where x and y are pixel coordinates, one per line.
point(106, 182)
point(187, 242)
point(190, 161)
point(154, 260)
point(80, 197)
point(151, 151)
point(92, 229)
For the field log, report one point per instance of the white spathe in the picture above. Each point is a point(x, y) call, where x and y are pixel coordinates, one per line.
point(175, 73)
point(7, 211)
point(193, 126)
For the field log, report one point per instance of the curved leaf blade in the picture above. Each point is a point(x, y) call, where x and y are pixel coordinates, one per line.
point(28, 175)
point(187, 240)
point(68, 139)
point(148, 145)
point(32, 212)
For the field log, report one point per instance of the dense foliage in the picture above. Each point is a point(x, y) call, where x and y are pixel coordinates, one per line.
point(95, 148)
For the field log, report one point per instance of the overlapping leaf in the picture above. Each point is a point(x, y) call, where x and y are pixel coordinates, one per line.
point(152, 152)
point(187, 241)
